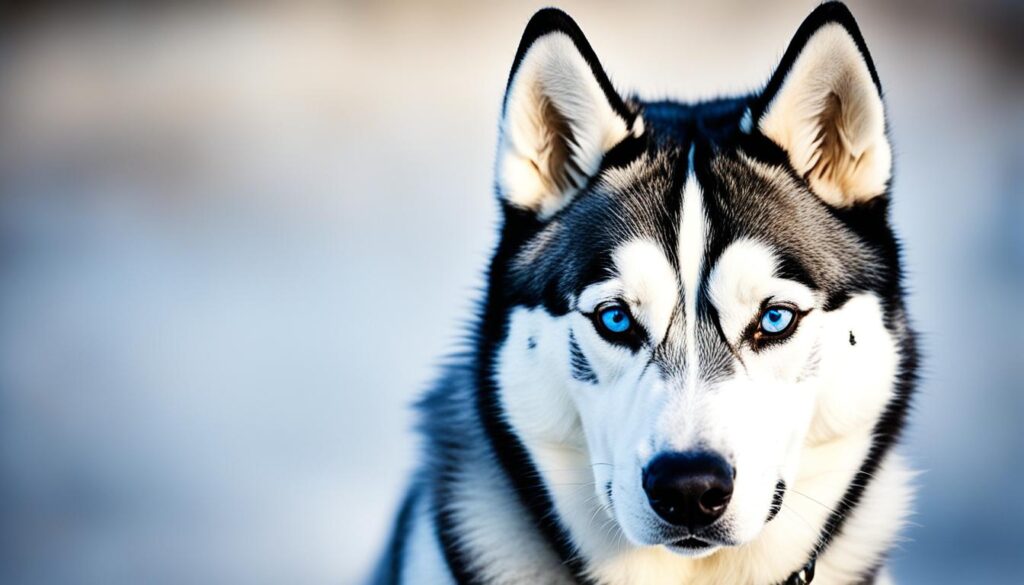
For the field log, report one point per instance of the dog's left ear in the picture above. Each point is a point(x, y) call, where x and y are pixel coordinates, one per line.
point(824, 107)
point(560, 117)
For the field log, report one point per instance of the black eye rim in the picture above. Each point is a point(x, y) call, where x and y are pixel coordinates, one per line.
point(759, 338)
point(633, 337)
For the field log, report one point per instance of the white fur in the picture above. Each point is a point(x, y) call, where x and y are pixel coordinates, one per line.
point(538, 400)
point(508, 552)
point(856, 380)
point(831, 67)
point(553, 74)
point(691, 245)
point(498, 534)
point(742, 278)
point(649, 283)
point(874, 525)
point(778, 417)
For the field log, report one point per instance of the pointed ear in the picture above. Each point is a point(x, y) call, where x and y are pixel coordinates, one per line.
point(560, 116)
point(824, 107)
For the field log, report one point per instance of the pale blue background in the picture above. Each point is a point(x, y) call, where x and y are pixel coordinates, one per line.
point(235, 244)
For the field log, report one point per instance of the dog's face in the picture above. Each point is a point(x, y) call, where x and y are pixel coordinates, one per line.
point(693, 293)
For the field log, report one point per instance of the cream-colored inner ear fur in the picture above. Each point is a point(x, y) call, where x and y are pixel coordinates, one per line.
point(829, 118)
point(558, 125)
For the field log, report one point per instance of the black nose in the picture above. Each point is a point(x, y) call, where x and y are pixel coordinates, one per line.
point(688, 489)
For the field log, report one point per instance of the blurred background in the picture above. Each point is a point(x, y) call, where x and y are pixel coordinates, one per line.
point(236, 242)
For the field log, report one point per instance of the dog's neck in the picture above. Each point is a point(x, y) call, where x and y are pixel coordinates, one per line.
point(515, 509)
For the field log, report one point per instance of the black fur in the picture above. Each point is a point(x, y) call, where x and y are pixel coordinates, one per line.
point(546, 262)
point(777, 497)
point(581, 369)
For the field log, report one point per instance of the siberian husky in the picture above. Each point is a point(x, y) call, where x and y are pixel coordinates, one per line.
point(692, 359)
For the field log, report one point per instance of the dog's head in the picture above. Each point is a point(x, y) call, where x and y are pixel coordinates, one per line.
point(692, 294)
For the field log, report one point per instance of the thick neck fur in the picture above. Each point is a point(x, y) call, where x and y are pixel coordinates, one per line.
point(500, 543)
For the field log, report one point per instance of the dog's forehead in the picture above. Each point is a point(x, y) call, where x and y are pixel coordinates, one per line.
point(742, 197)
point(639, 200)
point(746, 198)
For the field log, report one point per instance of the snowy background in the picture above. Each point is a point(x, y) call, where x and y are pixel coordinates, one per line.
point(235, 244)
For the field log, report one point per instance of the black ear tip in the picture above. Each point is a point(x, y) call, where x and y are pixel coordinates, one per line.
point(544, 22)
point(836, 12)
point(833, 11)
point(548, 20)
point(552, 20)
point(833, 5)
point(550, 12)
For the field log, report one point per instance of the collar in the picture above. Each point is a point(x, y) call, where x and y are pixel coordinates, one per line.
point(806, 573)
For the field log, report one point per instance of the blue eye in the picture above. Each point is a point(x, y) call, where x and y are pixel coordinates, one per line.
point(615, 319)
point(776, 320)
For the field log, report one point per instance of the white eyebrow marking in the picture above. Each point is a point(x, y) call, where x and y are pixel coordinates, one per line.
point(692, 235)
point(650, 282)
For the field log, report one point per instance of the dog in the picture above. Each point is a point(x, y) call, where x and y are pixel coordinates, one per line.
point(692, 358)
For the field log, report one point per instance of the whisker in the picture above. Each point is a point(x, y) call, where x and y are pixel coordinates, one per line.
point(802, 519)
point(816, 501)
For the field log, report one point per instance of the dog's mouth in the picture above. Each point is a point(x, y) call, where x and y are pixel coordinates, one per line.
point(691, 543)
point(692, 547)
point(697, 545)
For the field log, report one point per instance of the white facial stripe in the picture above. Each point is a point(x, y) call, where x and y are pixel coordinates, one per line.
point(692, 236)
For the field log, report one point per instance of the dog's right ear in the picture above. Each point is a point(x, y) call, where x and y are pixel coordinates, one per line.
point(560, 116)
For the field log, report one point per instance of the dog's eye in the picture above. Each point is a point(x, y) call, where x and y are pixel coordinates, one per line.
point(615, 319)
point(777, 321)
point(613, 322)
